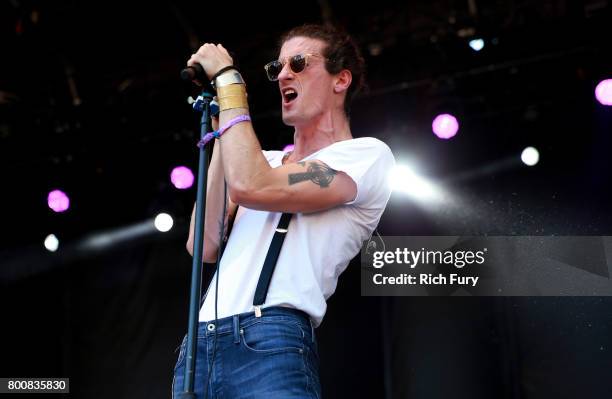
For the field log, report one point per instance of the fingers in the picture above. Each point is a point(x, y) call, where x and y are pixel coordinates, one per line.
point(224, 51)
point(209, 48)
point(212, 57)
point(205, 49)
point(192, 60)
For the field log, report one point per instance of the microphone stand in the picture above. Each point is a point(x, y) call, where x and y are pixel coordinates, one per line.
point(202, 104)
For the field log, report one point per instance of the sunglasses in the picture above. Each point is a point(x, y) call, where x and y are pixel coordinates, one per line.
point(297, 63)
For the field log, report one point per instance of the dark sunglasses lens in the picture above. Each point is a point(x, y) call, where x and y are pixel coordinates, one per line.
point(297, 63)
point(274, 69)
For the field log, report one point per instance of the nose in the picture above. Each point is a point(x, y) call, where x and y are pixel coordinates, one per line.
point(286, 73)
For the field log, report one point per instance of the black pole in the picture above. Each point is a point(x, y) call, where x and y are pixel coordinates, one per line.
point(202, 104)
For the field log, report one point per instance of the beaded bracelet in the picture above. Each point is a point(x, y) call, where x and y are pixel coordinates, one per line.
point(217, 133)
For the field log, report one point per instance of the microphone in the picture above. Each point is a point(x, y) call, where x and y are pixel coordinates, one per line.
point(194, 72)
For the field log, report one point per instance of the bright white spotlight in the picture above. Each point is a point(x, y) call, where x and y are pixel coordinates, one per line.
point(477, 44)
point(51, 243)
point(404, 180)
point(163, 222)
point(530, 156)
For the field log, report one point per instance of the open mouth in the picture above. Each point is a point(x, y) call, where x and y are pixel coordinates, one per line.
point(289, 95)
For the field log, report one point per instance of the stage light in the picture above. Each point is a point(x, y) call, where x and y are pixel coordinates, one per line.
point(51, 243)
point(477, 44)
point(58, 201)
point(181, 177)
point(104, 240)
point(403, 179)
point(603, 92)
point(289, 147)
point(445, 126)
point(163, 222)
point(530, 156)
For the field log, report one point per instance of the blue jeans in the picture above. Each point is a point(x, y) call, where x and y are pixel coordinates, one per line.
point(273, 356)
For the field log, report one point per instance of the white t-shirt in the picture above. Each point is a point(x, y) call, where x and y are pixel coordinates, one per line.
point(318, 245)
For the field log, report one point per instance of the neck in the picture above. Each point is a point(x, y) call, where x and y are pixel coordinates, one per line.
point(319, 133)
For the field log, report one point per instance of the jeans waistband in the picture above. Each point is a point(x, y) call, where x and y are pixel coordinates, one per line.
point(229, 324)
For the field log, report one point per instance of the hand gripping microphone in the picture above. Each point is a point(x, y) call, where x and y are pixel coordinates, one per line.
point(194, 72)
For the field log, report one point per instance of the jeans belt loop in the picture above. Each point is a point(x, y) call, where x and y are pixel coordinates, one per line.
point(312, 333)
point(236, 321)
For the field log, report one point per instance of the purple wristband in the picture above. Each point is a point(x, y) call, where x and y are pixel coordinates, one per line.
point(216, 134)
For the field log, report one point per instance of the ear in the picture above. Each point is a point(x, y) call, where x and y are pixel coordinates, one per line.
point(342, 81)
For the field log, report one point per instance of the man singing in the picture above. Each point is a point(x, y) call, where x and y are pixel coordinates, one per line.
point(334, 189)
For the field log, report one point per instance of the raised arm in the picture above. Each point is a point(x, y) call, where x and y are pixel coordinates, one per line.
point(214, 217)
point(296, 187)
point(301, 187)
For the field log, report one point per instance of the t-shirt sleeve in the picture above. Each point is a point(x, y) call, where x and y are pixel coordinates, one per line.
point(368, 162)
point(272, 157)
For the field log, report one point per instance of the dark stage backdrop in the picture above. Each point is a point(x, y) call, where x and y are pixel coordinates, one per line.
point(91, 102)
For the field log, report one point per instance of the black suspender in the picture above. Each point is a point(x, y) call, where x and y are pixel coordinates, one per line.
point(270, 263)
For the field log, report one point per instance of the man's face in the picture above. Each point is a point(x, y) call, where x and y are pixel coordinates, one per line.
point(312, 88)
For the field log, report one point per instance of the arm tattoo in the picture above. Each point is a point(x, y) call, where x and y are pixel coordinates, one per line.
point(321, 175)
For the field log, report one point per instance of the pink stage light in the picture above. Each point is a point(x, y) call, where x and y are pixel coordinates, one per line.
point(58, 201)
point(181, 177)
point(289, 147)
point(445, 126)
point(603, 92)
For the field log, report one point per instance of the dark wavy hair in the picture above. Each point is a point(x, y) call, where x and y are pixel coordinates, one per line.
point(341, 53)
